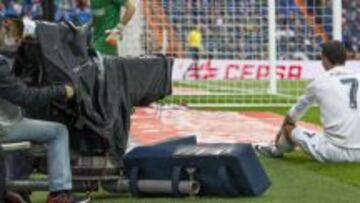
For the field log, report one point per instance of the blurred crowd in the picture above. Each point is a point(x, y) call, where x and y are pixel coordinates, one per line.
point(238, 29)
point(231, 29)
point(235, 29)
point(351, 27)
point(77, 11)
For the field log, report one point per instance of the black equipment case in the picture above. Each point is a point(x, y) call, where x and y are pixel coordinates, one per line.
point(221, 169)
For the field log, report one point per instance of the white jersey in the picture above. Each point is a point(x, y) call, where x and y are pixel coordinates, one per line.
point(338, 95)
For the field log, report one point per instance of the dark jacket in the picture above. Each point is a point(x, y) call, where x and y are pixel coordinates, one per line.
point(107, 88)
point(14, 94)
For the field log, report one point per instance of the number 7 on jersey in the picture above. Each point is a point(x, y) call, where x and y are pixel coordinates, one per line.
point(354, 87)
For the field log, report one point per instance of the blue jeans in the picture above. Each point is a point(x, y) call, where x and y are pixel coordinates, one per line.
point(55, 137)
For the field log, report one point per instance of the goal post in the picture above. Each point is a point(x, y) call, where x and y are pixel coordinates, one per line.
point(337, 19)
point(272, 46)
point(254, 53)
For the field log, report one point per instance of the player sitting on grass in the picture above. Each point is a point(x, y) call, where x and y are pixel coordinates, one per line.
point(337, 94)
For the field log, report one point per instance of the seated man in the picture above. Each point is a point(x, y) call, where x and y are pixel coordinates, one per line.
point(14, 127)
point(337, 94)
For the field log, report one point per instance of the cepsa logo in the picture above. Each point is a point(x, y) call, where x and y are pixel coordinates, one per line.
point(261, 71)
point(239, 70)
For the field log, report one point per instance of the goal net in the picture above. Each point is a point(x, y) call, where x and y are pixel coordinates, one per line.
point(252, 52)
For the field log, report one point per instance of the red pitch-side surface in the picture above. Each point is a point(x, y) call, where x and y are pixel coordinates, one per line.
point(150, 125)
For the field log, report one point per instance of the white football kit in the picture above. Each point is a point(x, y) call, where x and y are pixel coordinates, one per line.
point(338, 95)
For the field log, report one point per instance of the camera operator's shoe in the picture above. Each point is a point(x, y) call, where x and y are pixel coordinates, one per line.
point(66, 198)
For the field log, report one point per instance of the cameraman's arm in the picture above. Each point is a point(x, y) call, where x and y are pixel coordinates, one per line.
point(15, 91)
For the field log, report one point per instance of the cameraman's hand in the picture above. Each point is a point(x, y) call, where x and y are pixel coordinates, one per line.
point(69, 92)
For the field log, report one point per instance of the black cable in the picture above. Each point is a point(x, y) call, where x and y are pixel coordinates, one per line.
point(48, 8)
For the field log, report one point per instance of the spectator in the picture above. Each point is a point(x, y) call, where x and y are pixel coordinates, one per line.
point(82, 12)
point(36, 11)
point(62, 14)
point(10, 8)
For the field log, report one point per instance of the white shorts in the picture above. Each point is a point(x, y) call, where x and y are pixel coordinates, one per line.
point(318, 147)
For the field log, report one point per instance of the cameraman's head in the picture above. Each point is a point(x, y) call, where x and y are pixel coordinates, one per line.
point(11, 29)
point(16, 29)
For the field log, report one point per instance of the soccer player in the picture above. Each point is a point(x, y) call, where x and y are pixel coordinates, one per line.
point(337, 94)
point(107, 17)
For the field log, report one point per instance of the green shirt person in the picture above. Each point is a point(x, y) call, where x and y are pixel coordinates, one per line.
point(107, 17)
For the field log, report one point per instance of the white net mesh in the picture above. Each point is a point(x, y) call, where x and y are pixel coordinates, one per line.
point(231, 29)
point(232, 65)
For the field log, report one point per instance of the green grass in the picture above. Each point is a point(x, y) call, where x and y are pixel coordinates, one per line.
point(296, 178)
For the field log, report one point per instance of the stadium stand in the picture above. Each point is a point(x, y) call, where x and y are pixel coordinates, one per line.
point(351, 27)
point(241, 22)
point(72, 10)
point(233, 32)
